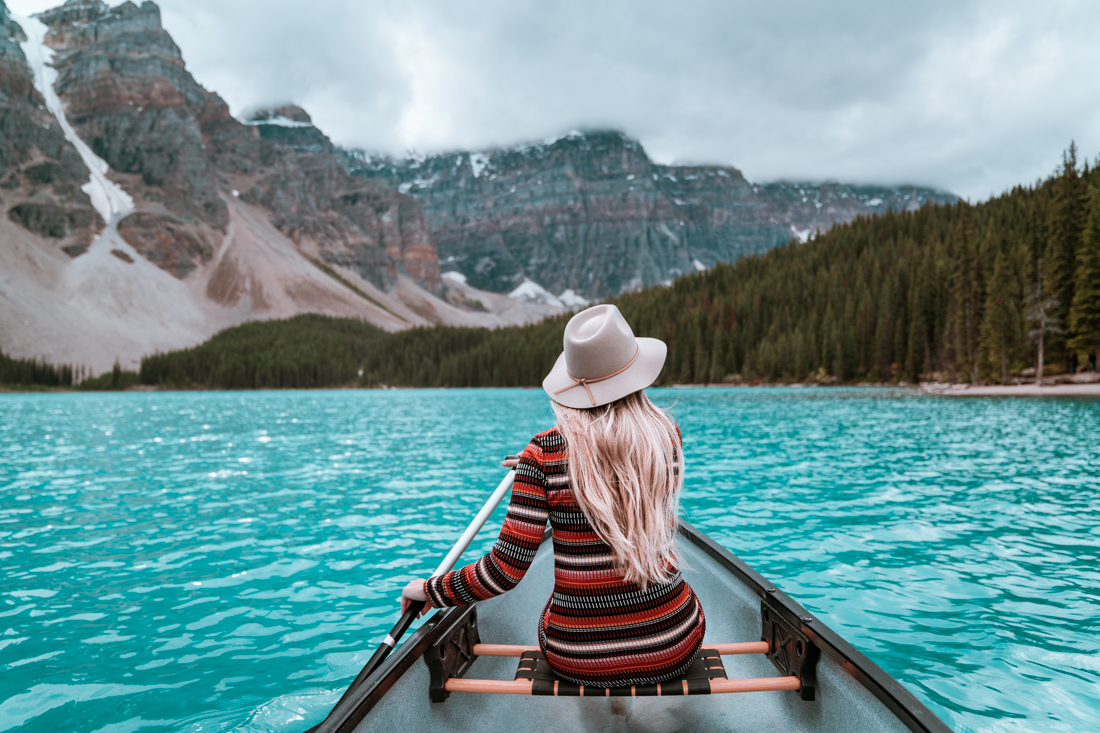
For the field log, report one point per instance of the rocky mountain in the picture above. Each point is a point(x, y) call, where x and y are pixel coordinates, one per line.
point(139, 215)
point(589, 214)
point(41, 176)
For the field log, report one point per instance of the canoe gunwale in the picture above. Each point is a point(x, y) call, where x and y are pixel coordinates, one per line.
point(903, 703)
point(358, 702)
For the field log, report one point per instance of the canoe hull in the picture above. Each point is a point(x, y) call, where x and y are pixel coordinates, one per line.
point(852, 693)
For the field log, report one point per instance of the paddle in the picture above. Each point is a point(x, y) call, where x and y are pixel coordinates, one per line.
point(448, 562)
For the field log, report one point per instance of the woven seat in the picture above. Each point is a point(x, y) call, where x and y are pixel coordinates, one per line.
point(707, 666)
point(706, 676)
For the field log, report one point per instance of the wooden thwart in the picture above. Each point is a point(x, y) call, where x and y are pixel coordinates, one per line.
point(523, 687)
point(502, 650)
point(761, 684)
point(743, 647)
point(511, 650)
point(705, 676)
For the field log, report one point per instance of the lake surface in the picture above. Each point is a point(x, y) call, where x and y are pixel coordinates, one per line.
point(228, 561)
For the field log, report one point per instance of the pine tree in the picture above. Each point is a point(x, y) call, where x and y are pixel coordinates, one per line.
point(1000, 326)
point(716, 356)
point(1084, 315)
point(1040, 314)
point(1063, 241)
point(701, 361)
point(968, 299)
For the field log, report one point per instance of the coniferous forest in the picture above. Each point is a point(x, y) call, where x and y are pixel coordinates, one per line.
point(40, 374)
point(961, 292)
point(34, 372)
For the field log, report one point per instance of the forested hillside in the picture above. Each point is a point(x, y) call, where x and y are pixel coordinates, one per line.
point(961, 292)
point(305, 351)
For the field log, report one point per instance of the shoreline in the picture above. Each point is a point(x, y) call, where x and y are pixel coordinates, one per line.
point(929, 388)
point(1013, 390)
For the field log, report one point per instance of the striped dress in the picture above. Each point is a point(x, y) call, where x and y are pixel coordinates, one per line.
point(596, 629)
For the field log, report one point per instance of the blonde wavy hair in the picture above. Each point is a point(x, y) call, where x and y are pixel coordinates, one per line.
point(626, 470)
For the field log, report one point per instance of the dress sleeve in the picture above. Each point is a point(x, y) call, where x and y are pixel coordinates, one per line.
point(504, 566)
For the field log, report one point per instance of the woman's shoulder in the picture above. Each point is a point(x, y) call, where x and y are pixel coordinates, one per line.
point(549, 440)
point(545, 445)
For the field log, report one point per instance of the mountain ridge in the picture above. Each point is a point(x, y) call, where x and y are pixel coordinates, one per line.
point(592, 213)
point(137, 214)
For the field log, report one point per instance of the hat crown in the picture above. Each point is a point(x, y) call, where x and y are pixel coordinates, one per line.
point(598, 343)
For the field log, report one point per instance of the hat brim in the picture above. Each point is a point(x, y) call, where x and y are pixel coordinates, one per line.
point(641, 374)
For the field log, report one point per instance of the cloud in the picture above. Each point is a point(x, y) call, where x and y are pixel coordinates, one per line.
point(973, 95)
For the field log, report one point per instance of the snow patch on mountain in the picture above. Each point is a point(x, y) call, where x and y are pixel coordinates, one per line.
point(108, 198)
point(279, 122)
point(663, 229)
point(530, 291)
point(802, 235)
point(478, 163)
point(571, 299)
point(455, 276)
point(419, 183)
point(698, 265)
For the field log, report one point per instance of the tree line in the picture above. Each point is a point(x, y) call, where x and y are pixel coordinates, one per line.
point(962, 292)
point(36, 373)
point(307, 351)
point(41, 374)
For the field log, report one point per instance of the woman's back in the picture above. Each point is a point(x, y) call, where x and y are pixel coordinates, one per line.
point(597, 628)
point(608, 479)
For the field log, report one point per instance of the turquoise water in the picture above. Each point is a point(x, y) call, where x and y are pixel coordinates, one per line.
point(227, 561)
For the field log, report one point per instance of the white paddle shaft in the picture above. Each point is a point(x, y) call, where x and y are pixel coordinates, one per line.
point(476, 525)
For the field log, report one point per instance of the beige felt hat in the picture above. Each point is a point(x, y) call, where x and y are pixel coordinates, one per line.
point(602, 361)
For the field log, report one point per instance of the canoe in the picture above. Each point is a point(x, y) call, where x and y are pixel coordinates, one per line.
point(804, 677)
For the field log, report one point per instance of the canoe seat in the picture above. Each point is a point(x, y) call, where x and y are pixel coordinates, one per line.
point(453, 653)
point(534, 677)
point(707, 666)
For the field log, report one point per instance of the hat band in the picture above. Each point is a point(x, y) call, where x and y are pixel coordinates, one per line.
point(579, 381)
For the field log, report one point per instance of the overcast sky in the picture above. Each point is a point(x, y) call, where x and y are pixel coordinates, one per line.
point(972, 96)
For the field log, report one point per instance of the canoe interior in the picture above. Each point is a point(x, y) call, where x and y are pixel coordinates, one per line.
point(853, 694)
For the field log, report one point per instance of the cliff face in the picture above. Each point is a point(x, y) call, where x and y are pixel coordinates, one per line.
point(591, 213)
point(40, 174)
point(139, 215)
point(175, 148)
point(363, 225)
point(128, 95)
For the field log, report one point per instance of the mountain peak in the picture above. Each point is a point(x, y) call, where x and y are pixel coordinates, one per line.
point(589, 213)
point(596, 141)
point(288, 125)
point(75, 11)
point(278, 113)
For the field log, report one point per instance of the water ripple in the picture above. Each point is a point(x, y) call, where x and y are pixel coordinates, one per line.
point(158, 552)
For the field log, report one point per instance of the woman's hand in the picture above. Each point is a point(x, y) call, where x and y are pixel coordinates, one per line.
point(414, 591)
